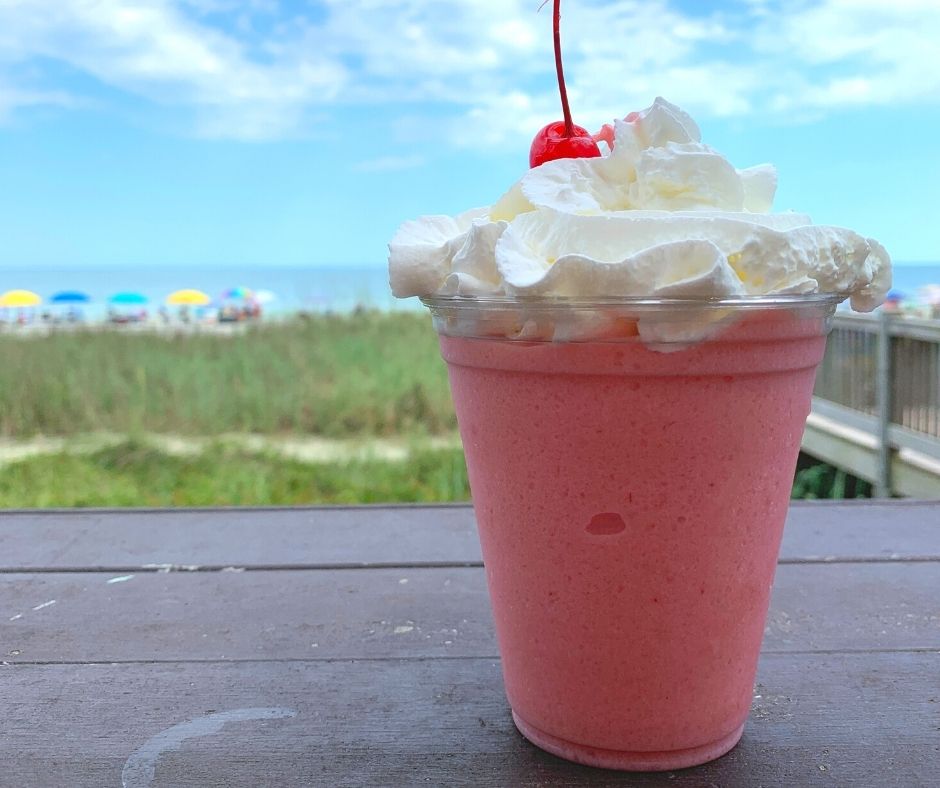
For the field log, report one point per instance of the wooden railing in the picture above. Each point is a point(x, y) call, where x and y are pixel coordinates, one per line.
point(876, 410)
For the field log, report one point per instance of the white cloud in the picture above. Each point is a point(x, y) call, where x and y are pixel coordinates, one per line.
point(480, 70)
point(515, 114)
point(152, 48)
point(12, 99)
point(853, 52)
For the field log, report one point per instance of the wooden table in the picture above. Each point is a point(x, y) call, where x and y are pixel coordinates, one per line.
point(354, 647)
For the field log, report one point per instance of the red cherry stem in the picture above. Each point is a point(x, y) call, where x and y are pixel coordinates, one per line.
point(559, 68)
point(569, 124)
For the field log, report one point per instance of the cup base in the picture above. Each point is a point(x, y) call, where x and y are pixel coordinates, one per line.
point(624, 760)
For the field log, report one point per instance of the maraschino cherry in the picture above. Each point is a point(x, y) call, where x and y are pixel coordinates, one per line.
point(561, 139)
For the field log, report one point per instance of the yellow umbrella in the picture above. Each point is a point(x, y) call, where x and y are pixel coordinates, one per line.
point(19, 298)
point(188, 298)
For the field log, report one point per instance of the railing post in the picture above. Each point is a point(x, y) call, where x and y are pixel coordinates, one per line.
point(883, 486)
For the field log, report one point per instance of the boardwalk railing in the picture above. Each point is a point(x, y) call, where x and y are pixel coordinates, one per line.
point(876, 409)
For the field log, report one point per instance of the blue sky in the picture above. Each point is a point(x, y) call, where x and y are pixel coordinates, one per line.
point(301, 132)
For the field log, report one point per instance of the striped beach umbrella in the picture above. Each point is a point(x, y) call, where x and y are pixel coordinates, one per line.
point(238, 294)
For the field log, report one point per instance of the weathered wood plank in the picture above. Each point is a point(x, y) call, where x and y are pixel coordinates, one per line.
point(265, 538)
point(821, 720)
point(369, 613)
point(859, 530)
point(239, 537)
point(354, 613)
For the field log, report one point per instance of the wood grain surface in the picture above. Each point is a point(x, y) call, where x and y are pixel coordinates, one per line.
point(391, 535)
point(826, 720)
point(354, 647)
point(357, 614)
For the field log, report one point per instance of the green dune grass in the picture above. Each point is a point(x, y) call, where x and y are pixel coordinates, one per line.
point(134, 474)
point(376, 374)
point(362, 377)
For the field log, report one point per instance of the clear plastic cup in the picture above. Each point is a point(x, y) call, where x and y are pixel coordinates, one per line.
point(631, 463)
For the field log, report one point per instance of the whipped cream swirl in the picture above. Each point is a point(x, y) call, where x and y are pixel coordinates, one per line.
point(661, 215)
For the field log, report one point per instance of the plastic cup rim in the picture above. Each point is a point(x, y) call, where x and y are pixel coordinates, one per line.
point(638, 303)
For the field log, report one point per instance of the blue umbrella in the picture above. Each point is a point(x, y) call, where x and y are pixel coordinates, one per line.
point(128, 299)
point(70, 297)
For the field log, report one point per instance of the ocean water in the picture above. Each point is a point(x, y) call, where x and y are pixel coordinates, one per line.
point(312, 289)
point(908, 279)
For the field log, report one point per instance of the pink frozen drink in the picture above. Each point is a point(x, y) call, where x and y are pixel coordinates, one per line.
point(630, 505)
point(632, 341)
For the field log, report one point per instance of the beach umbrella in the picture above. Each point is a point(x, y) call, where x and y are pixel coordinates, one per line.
point(19, 298)
point(930, 294)
point(128, 299)
point(188, 298)
point(238, 294)
point(70, 297)
point(265, 297)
